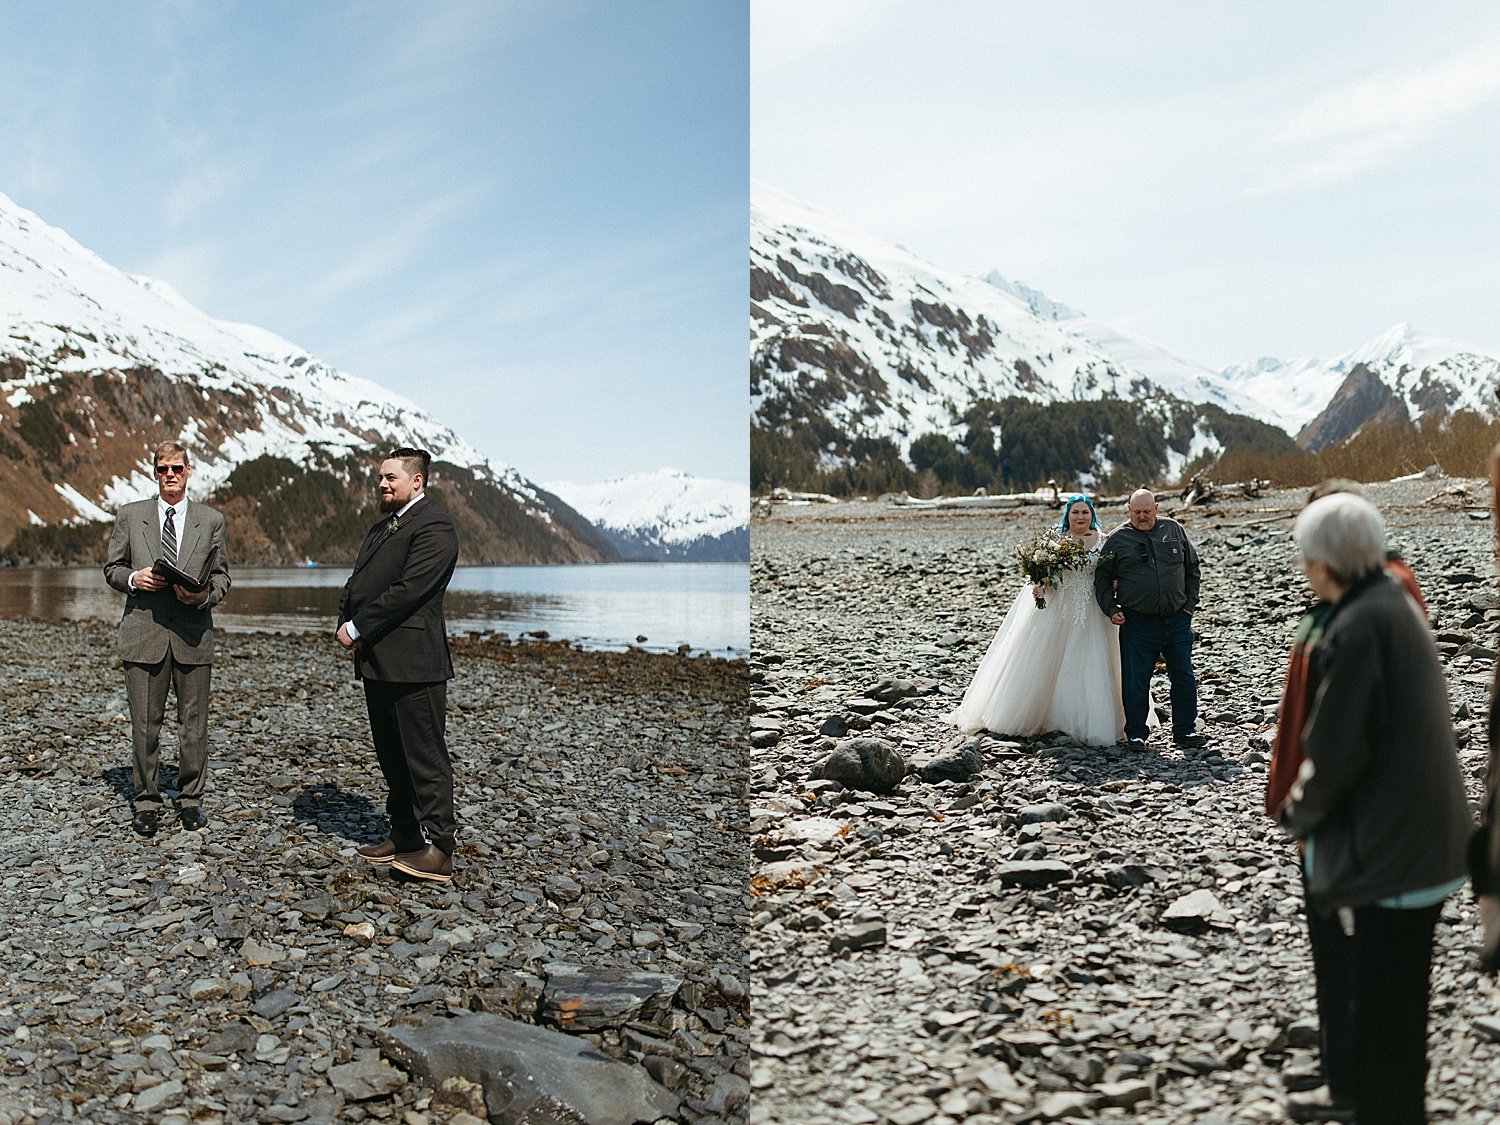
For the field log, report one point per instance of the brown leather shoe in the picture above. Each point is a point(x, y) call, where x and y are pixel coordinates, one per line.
point(383, 852)
point(431, 863)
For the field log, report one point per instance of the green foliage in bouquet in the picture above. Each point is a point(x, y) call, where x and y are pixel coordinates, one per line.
point(1047, 554)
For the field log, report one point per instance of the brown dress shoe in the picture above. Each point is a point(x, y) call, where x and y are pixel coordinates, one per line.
point(431, 863)
point(383, 852)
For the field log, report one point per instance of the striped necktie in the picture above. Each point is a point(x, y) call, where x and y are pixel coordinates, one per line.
point(169, 538)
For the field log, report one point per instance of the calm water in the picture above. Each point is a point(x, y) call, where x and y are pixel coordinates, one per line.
point(704, 605)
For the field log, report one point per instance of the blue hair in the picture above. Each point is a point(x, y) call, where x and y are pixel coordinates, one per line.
point(1068, 507)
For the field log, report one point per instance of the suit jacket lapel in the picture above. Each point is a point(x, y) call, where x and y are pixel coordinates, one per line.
point(151, 529)
point(373, 539)
point(378, 537)
point(190, 535)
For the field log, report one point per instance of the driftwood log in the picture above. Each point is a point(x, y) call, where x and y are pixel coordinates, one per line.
point(1201, 490)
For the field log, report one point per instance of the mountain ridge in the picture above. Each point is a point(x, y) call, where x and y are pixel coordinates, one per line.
point(667, 515)
point(859, 348)
point(98, 366)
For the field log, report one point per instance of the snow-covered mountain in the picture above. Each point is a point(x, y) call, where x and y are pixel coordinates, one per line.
point(98, 366)
point(855, 340)
point(1402, 374)
point(862, 340)
point(667, 515)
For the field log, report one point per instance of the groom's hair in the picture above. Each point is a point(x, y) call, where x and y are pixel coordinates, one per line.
point(414, 461)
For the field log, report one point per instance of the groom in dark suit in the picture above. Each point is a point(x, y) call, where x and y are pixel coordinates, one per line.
point(391, 619)
point(167, 632)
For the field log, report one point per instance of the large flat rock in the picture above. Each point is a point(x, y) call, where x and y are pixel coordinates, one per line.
point(530, 1075)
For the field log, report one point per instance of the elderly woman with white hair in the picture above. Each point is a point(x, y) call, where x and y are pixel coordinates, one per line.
point(1378, 806)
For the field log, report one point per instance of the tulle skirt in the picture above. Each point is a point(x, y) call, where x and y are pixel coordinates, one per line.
point(1053, 669)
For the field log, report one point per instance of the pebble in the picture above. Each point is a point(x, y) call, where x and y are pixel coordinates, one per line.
point(1030, 966)
point(242, 973)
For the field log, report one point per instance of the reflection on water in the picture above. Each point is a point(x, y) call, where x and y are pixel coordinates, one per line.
point(706, 606)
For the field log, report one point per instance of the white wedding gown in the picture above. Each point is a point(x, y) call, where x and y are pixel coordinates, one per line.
point(1053, 669)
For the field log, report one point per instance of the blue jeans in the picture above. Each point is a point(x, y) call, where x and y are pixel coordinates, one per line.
point(1142, 639)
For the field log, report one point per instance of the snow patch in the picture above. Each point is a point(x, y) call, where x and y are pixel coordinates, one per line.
point(678, 507)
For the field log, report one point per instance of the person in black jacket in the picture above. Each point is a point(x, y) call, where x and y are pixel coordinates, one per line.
point(1484, 848)
point(1147, 583)
point(391, 619)
point(1378, 806)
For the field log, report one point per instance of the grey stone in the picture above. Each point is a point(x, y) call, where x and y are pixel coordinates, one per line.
point(891, 689)
point(1487, 1027)
point(272, 1004)
point(1197, 910)
point(865, 763)
point(958, 764)
point(1033, 872)
point(587, 998)
point(1057, 1107)
point(158, 1096)
point(365, 1079)
point(864, 935)
point(529, 1074)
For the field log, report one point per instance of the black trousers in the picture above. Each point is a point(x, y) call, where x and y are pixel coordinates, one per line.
point(1372, 1007)
point(408, 724)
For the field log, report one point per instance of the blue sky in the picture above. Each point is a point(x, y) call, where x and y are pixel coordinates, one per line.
point(1230, 180)
point(529, 217)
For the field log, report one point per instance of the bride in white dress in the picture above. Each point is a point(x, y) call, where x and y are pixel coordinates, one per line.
point(1056, 668)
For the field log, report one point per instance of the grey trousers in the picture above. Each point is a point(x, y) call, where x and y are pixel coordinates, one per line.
point(146, 690)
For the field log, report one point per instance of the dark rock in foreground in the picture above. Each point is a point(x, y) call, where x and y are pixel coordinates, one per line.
point(528, 1074)
point(865, 763)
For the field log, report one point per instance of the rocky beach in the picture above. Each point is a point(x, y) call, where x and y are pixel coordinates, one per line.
point(1031, 930)
point(588, 957)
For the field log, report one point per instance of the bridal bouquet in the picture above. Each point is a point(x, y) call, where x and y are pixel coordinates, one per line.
point(1047, 554)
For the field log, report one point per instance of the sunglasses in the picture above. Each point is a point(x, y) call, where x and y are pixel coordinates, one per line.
point(163, 470)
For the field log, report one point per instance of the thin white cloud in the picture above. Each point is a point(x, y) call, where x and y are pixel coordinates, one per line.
point(204, 181)
point(386, 251)
point(1368, 124)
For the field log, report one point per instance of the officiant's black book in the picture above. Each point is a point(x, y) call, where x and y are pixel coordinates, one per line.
point(182, 578)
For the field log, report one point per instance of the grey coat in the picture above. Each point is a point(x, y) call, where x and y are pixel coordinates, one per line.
point(1380, 793)
point(155, 621)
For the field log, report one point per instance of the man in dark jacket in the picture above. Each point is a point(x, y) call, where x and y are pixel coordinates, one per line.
point(1147, 583)
point(391, 619)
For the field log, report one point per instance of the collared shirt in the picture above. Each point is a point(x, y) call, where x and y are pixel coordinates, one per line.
point(162, 508)
point(408, 506)
point(180, 508)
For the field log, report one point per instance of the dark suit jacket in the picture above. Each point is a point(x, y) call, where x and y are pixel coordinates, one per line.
point(155, 620)
point(395, 598)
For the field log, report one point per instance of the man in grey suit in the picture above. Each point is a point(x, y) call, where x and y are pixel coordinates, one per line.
point(391, 619)
point(167, 632)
